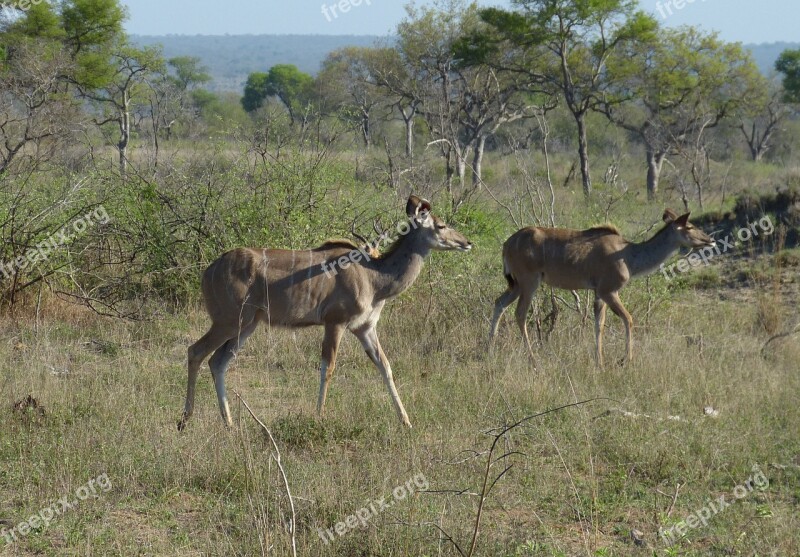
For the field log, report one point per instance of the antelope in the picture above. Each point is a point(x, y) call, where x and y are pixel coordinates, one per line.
point(296, 288)
point(597, 259)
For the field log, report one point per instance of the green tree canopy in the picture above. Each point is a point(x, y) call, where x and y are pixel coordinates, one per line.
point(284, 81)
point(255, 91)
point(189, 72)
point(789, 65)
point(568, 44)
point(92, 30)
point(678, 86)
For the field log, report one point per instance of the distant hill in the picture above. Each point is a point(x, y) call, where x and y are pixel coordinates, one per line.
point(231, 58)
point(765, 54)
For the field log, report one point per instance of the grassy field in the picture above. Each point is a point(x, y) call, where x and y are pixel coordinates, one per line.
point(602, 478)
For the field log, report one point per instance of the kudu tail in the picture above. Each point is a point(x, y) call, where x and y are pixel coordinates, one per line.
point(512, 283)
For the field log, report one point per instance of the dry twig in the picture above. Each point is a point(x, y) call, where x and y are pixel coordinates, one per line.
point(277, 457)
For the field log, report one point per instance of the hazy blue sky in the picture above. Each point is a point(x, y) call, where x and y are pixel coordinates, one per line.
point(737, 20)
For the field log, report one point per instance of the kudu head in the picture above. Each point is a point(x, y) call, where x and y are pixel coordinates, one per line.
point(688, 235)
point(433, 230)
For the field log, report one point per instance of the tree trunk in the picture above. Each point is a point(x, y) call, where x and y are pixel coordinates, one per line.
point(408, 119)
point(461, 166)
point(477, 162)
point(654, 165)
point(410, 140)
point(583, 153)
point(365, 130)
point(125, 134)
point(450, 171)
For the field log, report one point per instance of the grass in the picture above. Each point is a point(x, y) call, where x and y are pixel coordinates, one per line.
point(110, 394)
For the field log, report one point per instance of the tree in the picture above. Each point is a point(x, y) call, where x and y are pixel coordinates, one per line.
point(463, 102)
point(679, 86)
point(39, 21)
point(426, 43)
point(255, 91)
point(760, 119)
point(172, 94)
point(132, 68)
point(189, 72)
point(347, 83)
point(285, 82)
point(34, 109)
point(575, 39)
point(396, 82)
point(788, 64)
point(103, 68)
point(93, 29)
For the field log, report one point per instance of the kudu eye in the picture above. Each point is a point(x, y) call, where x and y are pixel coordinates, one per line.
point(441, 226)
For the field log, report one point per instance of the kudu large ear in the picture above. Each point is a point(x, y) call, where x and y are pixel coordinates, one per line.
point(669, 216)
point(682, 220)
point(415, 206)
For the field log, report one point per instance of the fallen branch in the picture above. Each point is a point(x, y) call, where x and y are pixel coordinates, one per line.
point(794, 331)
point(277, 457)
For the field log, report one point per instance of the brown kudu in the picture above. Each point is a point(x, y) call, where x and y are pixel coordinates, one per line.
point(597, 259)
point(337, 285)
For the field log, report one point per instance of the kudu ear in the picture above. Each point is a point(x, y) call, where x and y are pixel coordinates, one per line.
point(669, 216)
point(682, 220)
point(415, 206)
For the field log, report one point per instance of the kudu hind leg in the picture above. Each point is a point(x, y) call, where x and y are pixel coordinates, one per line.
point(219, 363)
point(523, 306)
point(500, 305)
point(330, 345)
point(198, 352)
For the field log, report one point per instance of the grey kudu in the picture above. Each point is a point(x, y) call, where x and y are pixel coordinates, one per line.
point(296, 288)
point(597, 259)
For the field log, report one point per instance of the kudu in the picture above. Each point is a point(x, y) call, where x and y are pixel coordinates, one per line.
point(296, 288)
point(597, 259)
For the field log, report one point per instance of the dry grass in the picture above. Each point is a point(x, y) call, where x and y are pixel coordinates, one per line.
point(111, 394)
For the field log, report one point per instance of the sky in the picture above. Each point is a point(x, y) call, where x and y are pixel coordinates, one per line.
point(747, 21)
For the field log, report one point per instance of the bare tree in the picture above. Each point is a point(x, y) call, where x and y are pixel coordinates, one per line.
point(34, 109)
point(131, 70)
point(761, 121)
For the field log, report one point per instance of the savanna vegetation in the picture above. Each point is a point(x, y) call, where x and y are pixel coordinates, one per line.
point(122, 176)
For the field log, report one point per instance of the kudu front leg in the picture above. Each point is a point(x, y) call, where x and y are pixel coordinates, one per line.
point(599, 323)
point(369, 340)
point(616, 306)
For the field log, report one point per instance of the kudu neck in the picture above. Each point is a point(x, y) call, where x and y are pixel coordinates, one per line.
point(645, 257)
point(397, 270)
